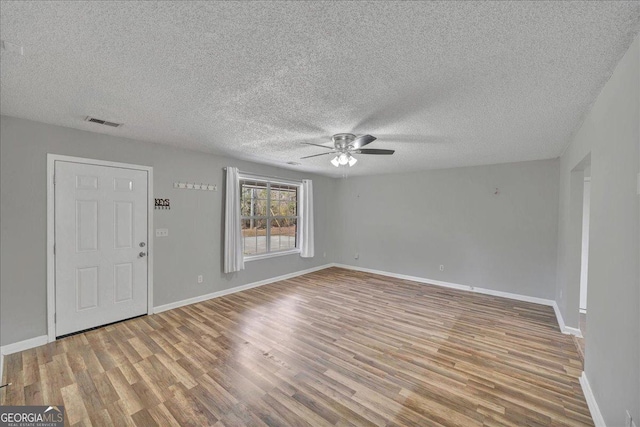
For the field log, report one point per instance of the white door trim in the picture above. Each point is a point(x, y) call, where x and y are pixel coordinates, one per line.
point(51, 266)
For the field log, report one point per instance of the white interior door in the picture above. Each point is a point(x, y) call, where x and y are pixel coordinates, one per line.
point(100, 245)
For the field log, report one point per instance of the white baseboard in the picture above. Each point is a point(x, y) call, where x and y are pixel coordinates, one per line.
point(43, 339)
point(556, 309)
point(563, 328)
point(189, 301)
point(598, 419)
point(568, 330)
point(20, 346)
point(572, 331)
point(24, 345)
point(452, 285)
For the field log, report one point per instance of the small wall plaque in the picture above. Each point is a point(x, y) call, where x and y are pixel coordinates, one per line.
point(163, 204)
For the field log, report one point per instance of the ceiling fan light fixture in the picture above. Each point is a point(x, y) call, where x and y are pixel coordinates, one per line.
point(346, 144)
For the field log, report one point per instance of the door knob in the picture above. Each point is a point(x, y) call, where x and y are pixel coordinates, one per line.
point(142, 254)
point(142, 244)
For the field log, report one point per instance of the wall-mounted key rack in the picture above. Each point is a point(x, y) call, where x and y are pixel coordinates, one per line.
point(195, 186)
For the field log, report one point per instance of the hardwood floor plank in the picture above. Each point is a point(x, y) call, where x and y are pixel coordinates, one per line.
point(33, 394)
point(144, 418)
point(189, 411)
point(73, 403)
point(130, 400)
point(88, 392)
point(334, 348)
point(119, 414)
point(101, 418)
point(162, 416)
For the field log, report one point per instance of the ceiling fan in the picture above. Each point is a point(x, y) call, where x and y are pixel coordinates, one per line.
point(347, 144)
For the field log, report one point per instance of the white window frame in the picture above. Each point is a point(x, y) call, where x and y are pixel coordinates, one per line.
point(269, 180)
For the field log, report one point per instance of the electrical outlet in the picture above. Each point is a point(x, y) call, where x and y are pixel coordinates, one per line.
point(356, 256)
point(324, 254)
point(200, 279)
point(162, 232)
point(441, 267)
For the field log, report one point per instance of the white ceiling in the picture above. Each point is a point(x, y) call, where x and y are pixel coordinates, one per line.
point(444, 84)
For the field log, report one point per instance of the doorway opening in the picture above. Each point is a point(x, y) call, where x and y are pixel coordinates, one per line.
point(584, 258)
point(579, 230)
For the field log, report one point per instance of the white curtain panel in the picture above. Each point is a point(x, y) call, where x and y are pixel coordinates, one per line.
point(233, 259)
point(306, 213)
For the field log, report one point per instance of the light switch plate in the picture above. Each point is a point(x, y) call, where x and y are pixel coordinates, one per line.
point(162, 232)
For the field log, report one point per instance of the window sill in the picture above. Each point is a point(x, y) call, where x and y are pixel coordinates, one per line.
point(248, 258)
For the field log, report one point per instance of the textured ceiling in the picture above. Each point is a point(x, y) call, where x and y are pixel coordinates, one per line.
point(444, 84)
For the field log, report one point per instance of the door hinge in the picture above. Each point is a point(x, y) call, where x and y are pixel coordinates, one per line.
point(54, 248)
point(54, 179)
point(55, 317)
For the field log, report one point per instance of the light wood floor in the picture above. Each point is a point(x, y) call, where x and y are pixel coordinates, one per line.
point(334, 347)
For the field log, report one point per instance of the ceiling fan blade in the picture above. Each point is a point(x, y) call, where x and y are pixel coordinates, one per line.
point(361, 141)
point(316, 155)
point(317, 145)
point(374, 151)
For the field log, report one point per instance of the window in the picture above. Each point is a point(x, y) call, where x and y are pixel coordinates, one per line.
point(269, 217)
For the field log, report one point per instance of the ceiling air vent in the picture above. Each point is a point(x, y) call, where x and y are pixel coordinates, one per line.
point(102, 122)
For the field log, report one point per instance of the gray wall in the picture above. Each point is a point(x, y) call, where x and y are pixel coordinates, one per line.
point(412, 223)
point(195, 237)
point(610, 137)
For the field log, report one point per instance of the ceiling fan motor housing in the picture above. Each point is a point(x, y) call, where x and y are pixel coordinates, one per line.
point(347, 144)
point(342, 140)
